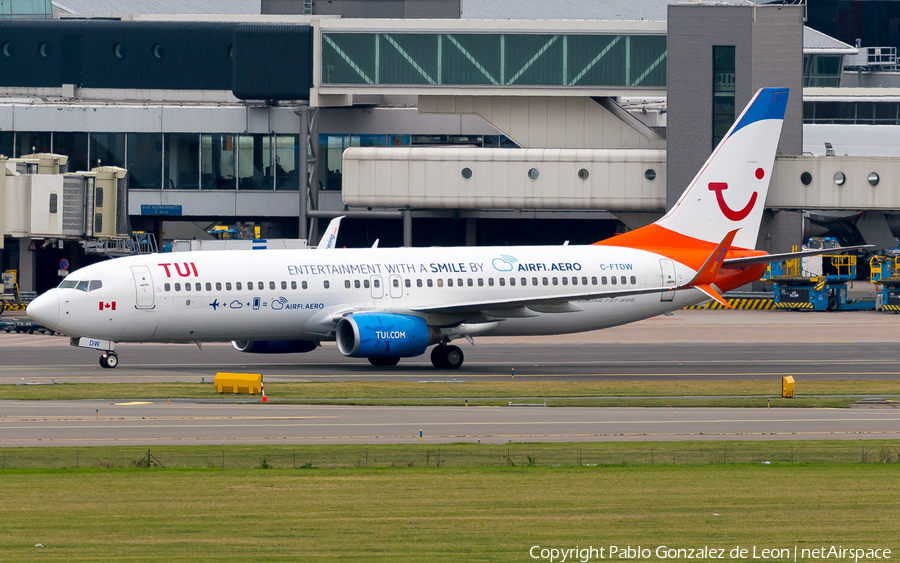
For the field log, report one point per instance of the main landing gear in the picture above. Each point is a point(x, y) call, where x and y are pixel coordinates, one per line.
point(447, 357)
point(109, 360)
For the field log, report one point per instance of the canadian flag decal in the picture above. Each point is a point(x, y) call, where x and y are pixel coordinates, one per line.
point(111, 305)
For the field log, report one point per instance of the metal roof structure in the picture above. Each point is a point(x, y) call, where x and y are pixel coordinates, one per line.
point(652, 10)
point(139, 7)
point(817, 43)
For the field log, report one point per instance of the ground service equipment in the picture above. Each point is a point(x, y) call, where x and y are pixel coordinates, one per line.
point(817, 283)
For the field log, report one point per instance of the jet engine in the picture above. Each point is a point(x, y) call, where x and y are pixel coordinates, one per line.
point(384, 335)
point(274, 346)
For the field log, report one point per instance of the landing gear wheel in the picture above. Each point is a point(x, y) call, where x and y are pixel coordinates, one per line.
point(447, 357)
point(437, 357)
point(384, 362)
point(109, 360)
point(453, 357)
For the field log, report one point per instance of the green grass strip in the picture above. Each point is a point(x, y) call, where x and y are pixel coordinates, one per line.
point(469, 454)
point(443, 514)
point(745, 393)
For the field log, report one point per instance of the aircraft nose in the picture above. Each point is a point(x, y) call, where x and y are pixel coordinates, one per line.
point(45, 309)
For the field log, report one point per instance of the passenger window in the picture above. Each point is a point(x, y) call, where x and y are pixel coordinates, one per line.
point(525, 281)
point(284, 285)
point(271, 285)
point(347, 284)
point(407, 283)
point(612, 279)
point(249, 286)
point(593, 280)
point(303, 285)
point(584, 281)
point(512, 281)
point(546, 282)
point(293, 285)
point(177, 287)
point(356, 284)
point(238, 286)
point(555, 281)
point(261, 285)
point(365, 284)
point(490, 281)
point(565, 281)
point(574, 280)
point(327, 285)
point(95, 284)
point(449, 282)
point(502, 281)
point(440, 282)
point(218, 286)
point(167, 287)
point(197, 286)
point(208, 286)
point(396, 282)
point(419, 283)
point(82, 286)
point(624, 280)
point(227, 286)
point(470, 283)
point(633, 280)
point(603, 280)
point(459, 282)
point(376, 282)
point(534, 281)
point(430, 282)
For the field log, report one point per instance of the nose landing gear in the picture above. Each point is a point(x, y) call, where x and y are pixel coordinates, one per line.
point(447, 357)
point(109, 360)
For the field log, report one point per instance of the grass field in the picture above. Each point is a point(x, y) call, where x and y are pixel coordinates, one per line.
point(557, 393)
point(439, 514)
point(354, 456)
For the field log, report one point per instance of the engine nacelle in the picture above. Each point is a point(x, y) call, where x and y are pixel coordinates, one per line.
point(274, 346)
point(384, 335)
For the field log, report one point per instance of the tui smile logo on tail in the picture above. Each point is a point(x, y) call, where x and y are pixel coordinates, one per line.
point(727, 211)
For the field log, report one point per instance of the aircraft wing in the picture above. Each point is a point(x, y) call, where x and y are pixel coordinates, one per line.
point(560, 303)
point(769, 258)
point(703, 281)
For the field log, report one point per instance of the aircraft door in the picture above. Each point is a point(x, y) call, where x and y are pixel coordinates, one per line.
point(377, 288)
point(396, 288)
point(143, 287)
point(667, 267)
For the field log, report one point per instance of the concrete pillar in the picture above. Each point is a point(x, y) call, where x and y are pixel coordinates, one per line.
point(407, 227)
point(27, 266)
point(304, 176)
point(471, 239)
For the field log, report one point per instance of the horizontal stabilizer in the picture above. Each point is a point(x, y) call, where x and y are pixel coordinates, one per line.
point(769, 258)
point(711, 292)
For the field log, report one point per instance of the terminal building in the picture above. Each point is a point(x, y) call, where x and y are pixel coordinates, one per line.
point(436, 123)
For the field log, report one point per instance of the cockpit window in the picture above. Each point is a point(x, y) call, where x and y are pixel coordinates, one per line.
point(68, 284)
point(82, 285)
point(95, 284)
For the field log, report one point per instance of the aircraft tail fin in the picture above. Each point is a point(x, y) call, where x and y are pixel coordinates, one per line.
point(729, 191)
point(329, 239)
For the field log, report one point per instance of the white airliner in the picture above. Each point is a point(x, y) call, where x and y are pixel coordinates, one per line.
point(384, 304)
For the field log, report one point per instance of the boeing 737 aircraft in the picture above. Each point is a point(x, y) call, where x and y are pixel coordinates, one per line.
point(384, 304)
